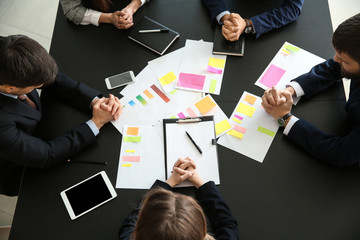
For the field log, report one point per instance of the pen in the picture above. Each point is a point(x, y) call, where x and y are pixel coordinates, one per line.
point(192, 140)
point(101, 163)
point(154, 30)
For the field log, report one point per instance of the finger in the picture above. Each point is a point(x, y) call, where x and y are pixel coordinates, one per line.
point(269, 97)
point(275, 95)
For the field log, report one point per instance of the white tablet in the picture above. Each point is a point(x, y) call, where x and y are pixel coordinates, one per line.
point(88, 195)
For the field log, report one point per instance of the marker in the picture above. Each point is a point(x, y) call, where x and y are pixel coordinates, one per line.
point(192, 140)
point(154, 30)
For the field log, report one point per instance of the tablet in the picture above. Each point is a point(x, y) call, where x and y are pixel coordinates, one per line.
point(88, 195)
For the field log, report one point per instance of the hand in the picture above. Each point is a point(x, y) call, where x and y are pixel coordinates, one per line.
point(234, 26)
point(100, 116)
point(281, 106)
point(113, 105)
point(122, 20)
point(182, 170)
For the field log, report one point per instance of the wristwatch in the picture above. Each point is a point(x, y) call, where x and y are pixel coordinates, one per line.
point(283, 119)
point(249, 26)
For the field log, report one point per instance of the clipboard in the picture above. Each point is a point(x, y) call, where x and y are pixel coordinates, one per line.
point(178, 144)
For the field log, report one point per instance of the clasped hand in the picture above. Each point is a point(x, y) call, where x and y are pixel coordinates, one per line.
point(234, 26)
point(184, 169)
point(276, 102)
point(106, 110)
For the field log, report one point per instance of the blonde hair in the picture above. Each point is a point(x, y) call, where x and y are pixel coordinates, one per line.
point(171, 216)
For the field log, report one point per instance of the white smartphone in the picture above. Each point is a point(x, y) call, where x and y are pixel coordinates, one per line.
point(88, 195)
point(120, 80)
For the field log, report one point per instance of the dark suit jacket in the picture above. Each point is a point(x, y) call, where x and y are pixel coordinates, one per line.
point(337, 150)
point(223, 223)
point(18, 121)
point(286, 13)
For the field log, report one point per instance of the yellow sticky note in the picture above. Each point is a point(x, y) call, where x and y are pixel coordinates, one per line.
point(126, 165)
point(235, 134)
point(129, 151)
point(236, 120)
point(222, 126)
point(250, 99)
point(245, 109)
point(168, 78)
point(216, 62)
point(132, 131)
point(205, 105)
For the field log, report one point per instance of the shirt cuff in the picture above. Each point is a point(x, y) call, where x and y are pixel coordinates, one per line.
point(143, 2)
point(291, 122)
point(218, 17)
point(91, 17)
point(93, 127)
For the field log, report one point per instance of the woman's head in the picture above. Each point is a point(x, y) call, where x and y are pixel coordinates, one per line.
point(170, 216)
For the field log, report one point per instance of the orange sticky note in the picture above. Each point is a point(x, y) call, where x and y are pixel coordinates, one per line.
point(148, 94)
point(132, 131)
point(205, 105)
point(250, 99)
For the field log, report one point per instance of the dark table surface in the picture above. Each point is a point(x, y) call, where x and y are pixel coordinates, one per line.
point(289, 196)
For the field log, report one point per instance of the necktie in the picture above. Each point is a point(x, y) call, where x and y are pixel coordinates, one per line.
point(27, 100)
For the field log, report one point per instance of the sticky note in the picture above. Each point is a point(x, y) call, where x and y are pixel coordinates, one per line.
point(132, 139)
point(132, 131)
point(214, 70)
point(292, 48)
point(148, 94)
point(236, 120)
point(239, 129)
point(235, 134)
point(168, 78)
point(272, 76)
point(205, 105)
point(181, 115)
point(285, 52)
point(238, 117)
point(245, 109)
point(212, 86)
point(126, 165)
point(192, 81)
point(222, 126)
point(141, 99)
point(191, 112)
point(129, 151)
point(160, 93)
point(266, 131)
point(250, 99)
point(216, 62)
point(131, 158)
point(173, 116)
point(173, 92)
point(132, 103)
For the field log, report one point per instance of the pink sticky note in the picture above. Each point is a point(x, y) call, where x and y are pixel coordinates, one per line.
point(239, 129)
point(181, 115)
point(191, 112)
point(214, 70)
point(272, 76)
point(238, 117)
point(193, 81)
point(131, 158)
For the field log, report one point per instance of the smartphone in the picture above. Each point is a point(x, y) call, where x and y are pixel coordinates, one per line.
point(88, 195)
point(120, 80)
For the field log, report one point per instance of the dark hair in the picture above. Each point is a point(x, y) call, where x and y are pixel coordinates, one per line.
point(99, 5)
point(346, 37)
point(171, 216)
point(24, 62)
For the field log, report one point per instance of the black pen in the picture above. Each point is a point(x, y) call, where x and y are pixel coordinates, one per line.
point(192, 140)
point(162, 30)
point(101, 163)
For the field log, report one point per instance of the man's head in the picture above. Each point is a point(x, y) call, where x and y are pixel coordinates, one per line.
point(24, 63)
point(346, 41)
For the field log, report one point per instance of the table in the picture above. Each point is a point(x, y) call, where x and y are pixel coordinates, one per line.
point(288, 196)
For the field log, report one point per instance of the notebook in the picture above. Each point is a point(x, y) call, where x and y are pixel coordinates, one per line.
point(225, 47)
point(158, 42)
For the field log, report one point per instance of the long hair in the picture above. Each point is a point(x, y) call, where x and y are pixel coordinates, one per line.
point(346, 37)
point(170, 216)
point(99, 5)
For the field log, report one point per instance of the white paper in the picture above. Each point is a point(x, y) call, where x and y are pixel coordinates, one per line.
point(254, 144)
point(142, 174)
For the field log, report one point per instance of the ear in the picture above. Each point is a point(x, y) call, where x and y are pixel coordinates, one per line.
point(7, 88)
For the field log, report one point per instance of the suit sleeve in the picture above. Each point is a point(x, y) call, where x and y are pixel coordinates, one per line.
point(73, 10)
point(129, 223)
point(280, 16)
point(215, 7)
point(217, 211)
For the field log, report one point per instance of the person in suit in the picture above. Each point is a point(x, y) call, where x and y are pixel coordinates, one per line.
point(233, 25)
point(337, 150)
point(25, 66)
point(163, 214)
point(85, 12)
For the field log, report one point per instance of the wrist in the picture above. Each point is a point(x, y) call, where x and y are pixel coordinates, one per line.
point(170, 182)
point(249, 28)
point(287, 121)
point(98, 123)
point(105, 18)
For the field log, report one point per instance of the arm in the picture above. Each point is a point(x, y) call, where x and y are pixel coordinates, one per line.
point(217, 211)
point(215, 7)
point(73, 10)
point(288, 12)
